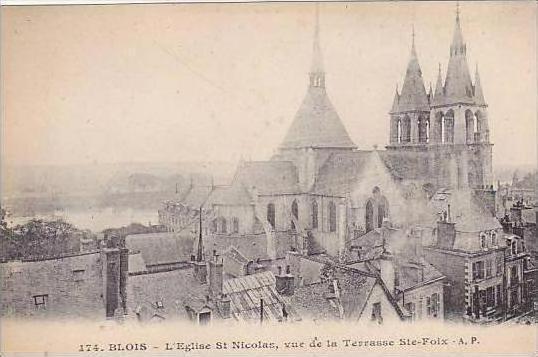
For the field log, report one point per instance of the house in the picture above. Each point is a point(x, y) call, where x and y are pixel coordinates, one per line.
point(90, 285)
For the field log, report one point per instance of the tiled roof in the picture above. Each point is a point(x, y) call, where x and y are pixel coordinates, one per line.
point(268, 176)
point(246, 293)
point(161, 248)
point(317, 124)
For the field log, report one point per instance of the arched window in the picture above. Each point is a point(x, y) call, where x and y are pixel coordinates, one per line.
point(470, 125)
point(448, 127)
point(332, 217)
point(439, 128)
point(223, 225)
point(314, 214)
point(493, 238)
point(295, 213)
point(381, 214)
point(406, 129)
point(399, 130)
point(235, 224)
point(214, 226)
point(271, 214)
point(423, 130)
point(369, 216)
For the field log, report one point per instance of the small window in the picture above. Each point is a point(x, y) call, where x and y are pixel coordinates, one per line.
point(40, 301)
point(499, 264)
point(159, 304)
point(493, 238)
point(489, 268)
point(78, 275)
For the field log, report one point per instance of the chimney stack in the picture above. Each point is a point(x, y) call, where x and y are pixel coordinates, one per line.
point(446, 230)
point(225, 308)
point(216, 274)
point(285, 283)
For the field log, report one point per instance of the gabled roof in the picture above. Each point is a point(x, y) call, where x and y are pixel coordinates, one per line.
point(251, 246)
point(268, 177)
point(317, 124)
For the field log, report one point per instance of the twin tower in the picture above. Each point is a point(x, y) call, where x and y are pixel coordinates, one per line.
point(449, 127)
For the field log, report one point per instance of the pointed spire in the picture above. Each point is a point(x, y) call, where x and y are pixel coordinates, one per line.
point(458, 46)
point(413, 95)
point(438, 96)
point(430, 93)
point(317, 63)
point(200, 250)
point(478, 93)
point(458, 85)
point(395, 101)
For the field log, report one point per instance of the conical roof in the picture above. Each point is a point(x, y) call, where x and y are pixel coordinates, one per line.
point(439, 96)
point(478, 94)
point(316, 123)
point(413, 96)
point(458, 85)
point(395, 102)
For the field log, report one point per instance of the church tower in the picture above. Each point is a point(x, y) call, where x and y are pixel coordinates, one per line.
point(316, 130)
point(448, 127)
point(409, 116)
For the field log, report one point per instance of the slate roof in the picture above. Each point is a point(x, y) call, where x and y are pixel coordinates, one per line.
point(405, 164)
point(468, 214)
point(172, 288)
point(137, 264)
point(413, 96)
point(341, 171)
point(246, 292)
point(313, 301)
point(458, 87)
point(161, 248)
point(251, 246)
point(196, 196)
point(268, 177)
point(317, 124)
point(229, 195)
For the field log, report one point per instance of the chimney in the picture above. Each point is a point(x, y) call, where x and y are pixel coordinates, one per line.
point(225, 308)
point(417, 244)
point(111, 260)
point(387, 272)
point(285, 283)
point(446, 231)
point(216, 272)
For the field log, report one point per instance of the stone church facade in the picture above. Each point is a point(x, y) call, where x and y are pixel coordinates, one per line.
point(319, 188)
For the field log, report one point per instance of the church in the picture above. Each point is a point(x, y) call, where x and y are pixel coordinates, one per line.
point(319, 191)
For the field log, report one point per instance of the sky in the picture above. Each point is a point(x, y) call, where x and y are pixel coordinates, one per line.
point(208, 82)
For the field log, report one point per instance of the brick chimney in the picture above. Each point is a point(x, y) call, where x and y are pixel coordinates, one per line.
point(216, 274)
point(224, 305)
point(111, 263)
point(446, 230)
point(285, 282)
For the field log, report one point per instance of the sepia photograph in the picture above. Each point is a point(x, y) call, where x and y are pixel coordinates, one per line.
point(181, 172)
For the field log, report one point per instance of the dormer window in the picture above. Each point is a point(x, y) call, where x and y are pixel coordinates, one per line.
point(482, 240)
point(493, 238)
point(159, 304)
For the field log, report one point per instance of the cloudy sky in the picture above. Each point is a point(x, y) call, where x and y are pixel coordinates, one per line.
point(118, 83)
